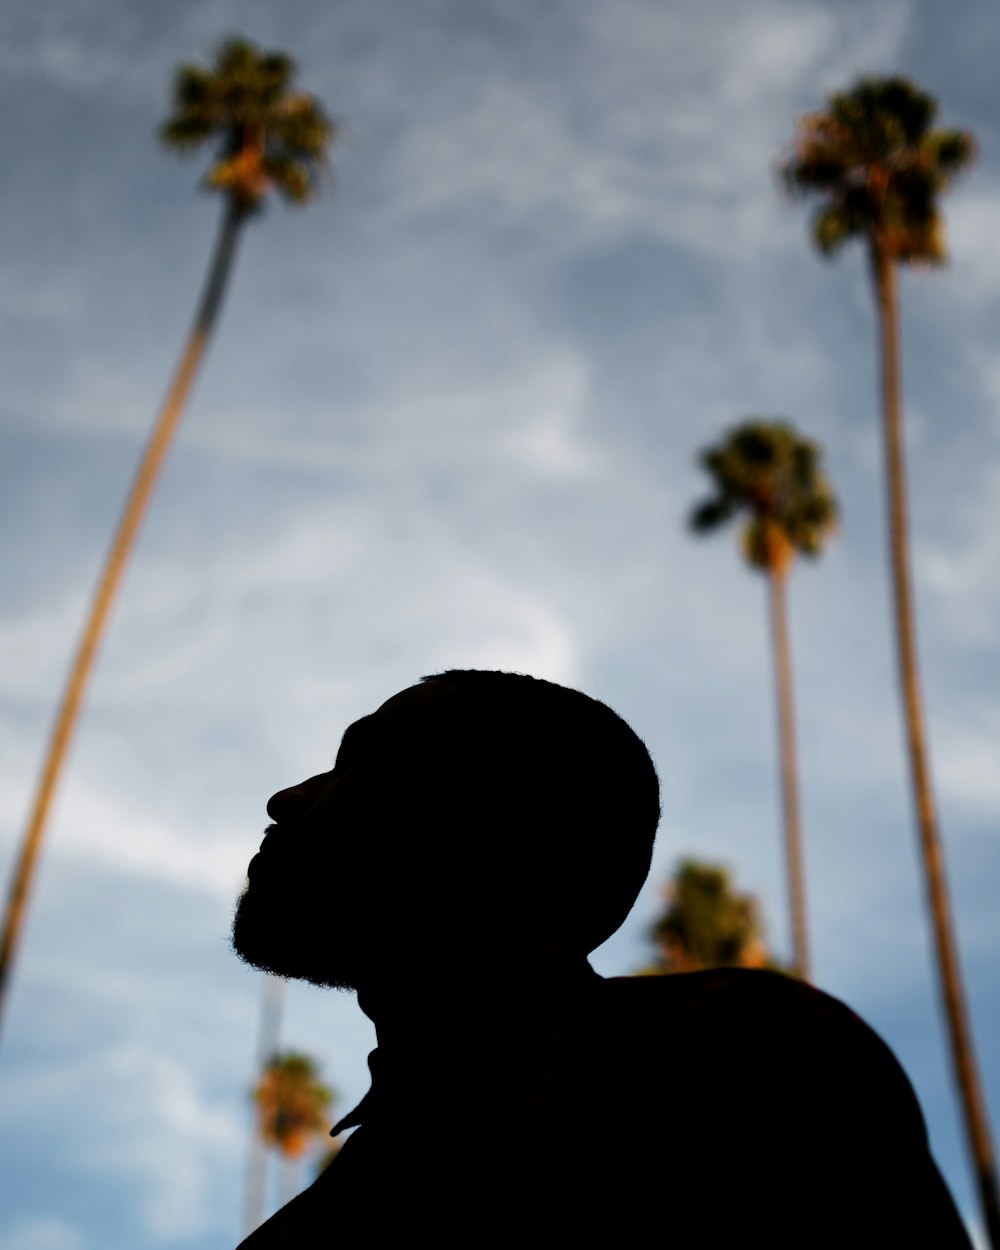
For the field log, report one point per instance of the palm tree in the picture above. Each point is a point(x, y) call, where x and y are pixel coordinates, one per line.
point(766, 471)
point(707, 924)
point(292, 1103)
point(268, 1042)
point(876, 164)
point(292, 1109)
point(269, 138)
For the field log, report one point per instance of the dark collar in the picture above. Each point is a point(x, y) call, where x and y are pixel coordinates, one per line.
point(488, 1045)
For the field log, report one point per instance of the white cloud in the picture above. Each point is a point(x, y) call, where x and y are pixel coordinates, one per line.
point(165, 1134)
point(43, 1233)
point(984, 367)
point(528, 408)
point(122, 835)
point(107, 828)
point(548, 438)
point(96, 399)
point(51, 299)
point(40, 639)
point(158, 1132)
point(967, 760)
point(494, 623)
point(106, 50)
point(962, 576)
point(971, 215)
point(666, 132)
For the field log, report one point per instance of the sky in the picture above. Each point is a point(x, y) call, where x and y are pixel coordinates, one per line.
point(451, 418)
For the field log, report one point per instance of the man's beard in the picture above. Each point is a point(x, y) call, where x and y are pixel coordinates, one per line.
point(287, 945)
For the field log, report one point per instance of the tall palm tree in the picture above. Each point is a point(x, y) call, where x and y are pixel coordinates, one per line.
point(765, 471)
point(877, 165)
point(270, 138)
point(292, 1109)
point(268, 1044)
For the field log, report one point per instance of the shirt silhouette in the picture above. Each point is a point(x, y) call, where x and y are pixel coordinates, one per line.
point(478, 835)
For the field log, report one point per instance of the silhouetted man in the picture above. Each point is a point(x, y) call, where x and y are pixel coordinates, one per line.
point(478, 836)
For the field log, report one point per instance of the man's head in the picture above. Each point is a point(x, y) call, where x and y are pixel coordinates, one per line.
point(479, 811)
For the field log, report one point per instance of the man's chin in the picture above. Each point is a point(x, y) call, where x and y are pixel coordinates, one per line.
point(275, 949)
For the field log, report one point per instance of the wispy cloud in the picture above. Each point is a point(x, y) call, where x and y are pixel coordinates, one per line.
point(655, 138)
point(43, 1233)
point(961, 575)
point(160, 1135)
point(967, 755)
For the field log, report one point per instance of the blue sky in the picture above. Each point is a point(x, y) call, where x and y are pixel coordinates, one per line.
point(451, 418)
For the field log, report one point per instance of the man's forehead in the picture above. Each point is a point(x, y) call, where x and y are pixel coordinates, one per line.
point(413, 710)
point(415, 699)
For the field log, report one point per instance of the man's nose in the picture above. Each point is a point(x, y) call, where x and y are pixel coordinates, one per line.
point(290, 802)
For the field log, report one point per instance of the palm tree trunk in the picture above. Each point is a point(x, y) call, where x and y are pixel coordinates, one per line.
point(268, 1042)
point(777, 585)
point(932, 856)
point(121, 546)
point(290, 1180)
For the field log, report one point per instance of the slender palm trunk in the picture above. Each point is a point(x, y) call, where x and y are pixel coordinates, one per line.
point(932, 856)
point(268, 1042)
point(289, 1180)
point(121, 546)
point(777, 582)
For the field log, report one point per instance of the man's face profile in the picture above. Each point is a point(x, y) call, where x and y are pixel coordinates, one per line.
point(339, 869)
point(477, 818)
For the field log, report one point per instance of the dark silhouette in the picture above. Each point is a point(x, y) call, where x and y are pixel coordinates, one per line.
point(478, 836)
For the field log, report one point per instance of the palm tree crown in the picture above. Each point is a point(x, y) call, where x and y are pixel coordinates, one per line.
point(270, 137)
point(767, 471)
point(292, 1103)
point(878, 166)
point(707, 924)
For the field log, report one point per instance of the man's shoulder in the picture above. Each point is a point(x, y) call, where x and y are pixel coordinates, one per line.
point(774, 1017)
point(731, 1022)
point(831, 1111)
point(721, 992)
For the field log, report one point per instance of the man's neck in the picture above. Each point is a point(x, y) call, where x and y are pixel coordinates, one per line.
point(477, 1000)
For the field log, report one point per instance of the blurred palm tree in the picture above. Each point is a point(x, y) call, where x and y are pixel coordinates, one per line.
point(877, 166)
point(268, 1042)
point(269, 137)
point(765, 471)
point(292, 1111)
point(707, 924)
